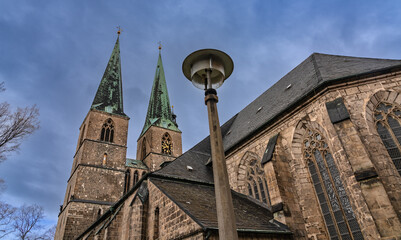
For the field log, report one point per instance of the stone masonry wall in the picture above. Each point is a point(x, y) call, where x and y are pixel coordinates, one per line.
point(99, 184)
point(357, 96)
point(76, 218)
point(173, 221)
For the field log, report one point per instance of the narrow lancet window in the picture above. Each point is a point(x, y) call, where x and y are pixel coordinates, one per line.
point(104, 159)
point(167, 145)
point(81, 139)
point(337, 212)
point(156, 225)
point(143, 148)
point(387, 118)
point(136, 177)
point(107, 133)
point(127, 181)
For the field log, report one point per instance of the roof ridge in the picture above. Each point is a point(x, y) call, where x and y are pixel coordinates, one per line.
point(347, 56)
point(316, 68)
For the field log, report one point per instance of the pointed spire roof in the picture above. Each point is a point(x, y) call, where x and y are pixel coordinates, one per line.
point(109, 95)
point(159, 111)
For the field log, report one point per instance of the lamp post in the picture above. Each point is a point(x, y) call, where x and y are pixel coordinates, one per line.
point(207, 69)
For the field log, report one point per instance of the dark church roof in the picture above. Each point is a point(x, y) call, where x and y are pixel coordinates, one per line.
point(316, 71)
point(198, 201)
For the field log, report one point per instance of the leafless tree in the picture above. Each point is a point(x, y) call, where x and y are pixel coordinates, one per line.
point(14, 126)
point(26, 220)
point(6, 218)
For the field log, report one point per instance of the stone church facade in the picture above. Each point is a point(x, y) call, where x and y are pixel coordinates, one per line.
point(316, 156)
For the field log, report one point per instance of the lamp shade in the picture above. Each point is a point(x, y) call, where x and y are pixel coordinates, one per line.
point(196, 65)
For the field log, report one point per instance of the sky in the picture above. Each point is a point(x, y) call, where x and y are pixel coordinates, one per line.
point(54, 53)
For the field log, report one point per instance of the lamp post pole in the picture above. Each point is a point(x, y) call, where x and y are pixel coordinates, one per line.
point(224, 203)
point(207, 69)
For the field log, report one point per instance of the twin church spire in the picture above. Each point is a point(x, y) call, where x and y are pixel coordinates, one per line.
point(159, 112)
point(109, 96)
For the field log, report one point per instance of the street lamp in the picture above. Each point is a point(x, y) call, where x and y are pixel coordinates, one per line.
point(207, 69)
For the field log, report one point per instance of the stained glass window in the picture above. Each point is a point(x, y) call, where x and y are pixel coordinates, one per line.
point(334, 202)
point(256, 182)
point(387, 119)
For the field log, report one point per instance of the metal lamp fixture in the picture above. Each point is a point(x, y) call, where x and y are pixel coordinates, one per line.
point(207, 69)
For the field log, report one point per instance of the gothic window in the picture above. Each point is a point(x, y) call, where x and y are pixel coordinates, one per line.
point(143, 148)
point(135, 177)
point(256, 182)
point(387, 118)
point(156, 225)
point(334, 203)
point(167, 145)
point(107, 133)
point(127, 181)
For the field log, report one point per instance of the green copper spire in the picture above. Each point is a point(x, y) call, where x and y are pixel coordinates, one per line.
point(159, 112)
point(109, 95)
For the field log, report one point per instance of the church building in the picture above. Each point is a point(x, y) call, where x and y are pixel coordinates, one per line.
point(316, 156)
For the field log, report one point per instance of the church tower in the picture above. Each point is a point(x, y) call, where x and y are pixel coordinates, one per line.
point(160, 139)
point(97, 174)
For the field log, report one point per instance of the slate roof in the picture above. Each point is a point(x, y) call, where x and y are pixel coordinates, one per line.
point(199, 202)
point(318, 69)
point(109, 95)
point(197, 157)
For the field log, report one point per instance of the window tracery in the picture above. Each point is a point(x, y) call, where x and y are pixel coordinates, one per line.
point(256, 182)
point(387, 119)
point(107, 133)
point(334, 203)
point(167, 145)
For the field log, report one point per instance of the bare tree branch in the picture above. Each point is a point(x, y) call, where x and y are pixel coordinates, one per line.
point(15, 126)
point(26, 219)
point(6, 218)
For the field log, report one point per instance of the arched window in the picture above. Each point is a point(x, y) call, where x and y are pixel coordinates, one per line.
point(143, 152)
point(107, 133)
point(135, 177)
point(256, 182)
point(167, 145)
point(156, 226)
point(104, 159)
point(127, 181)
point(334, 202)
point(387, 118)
